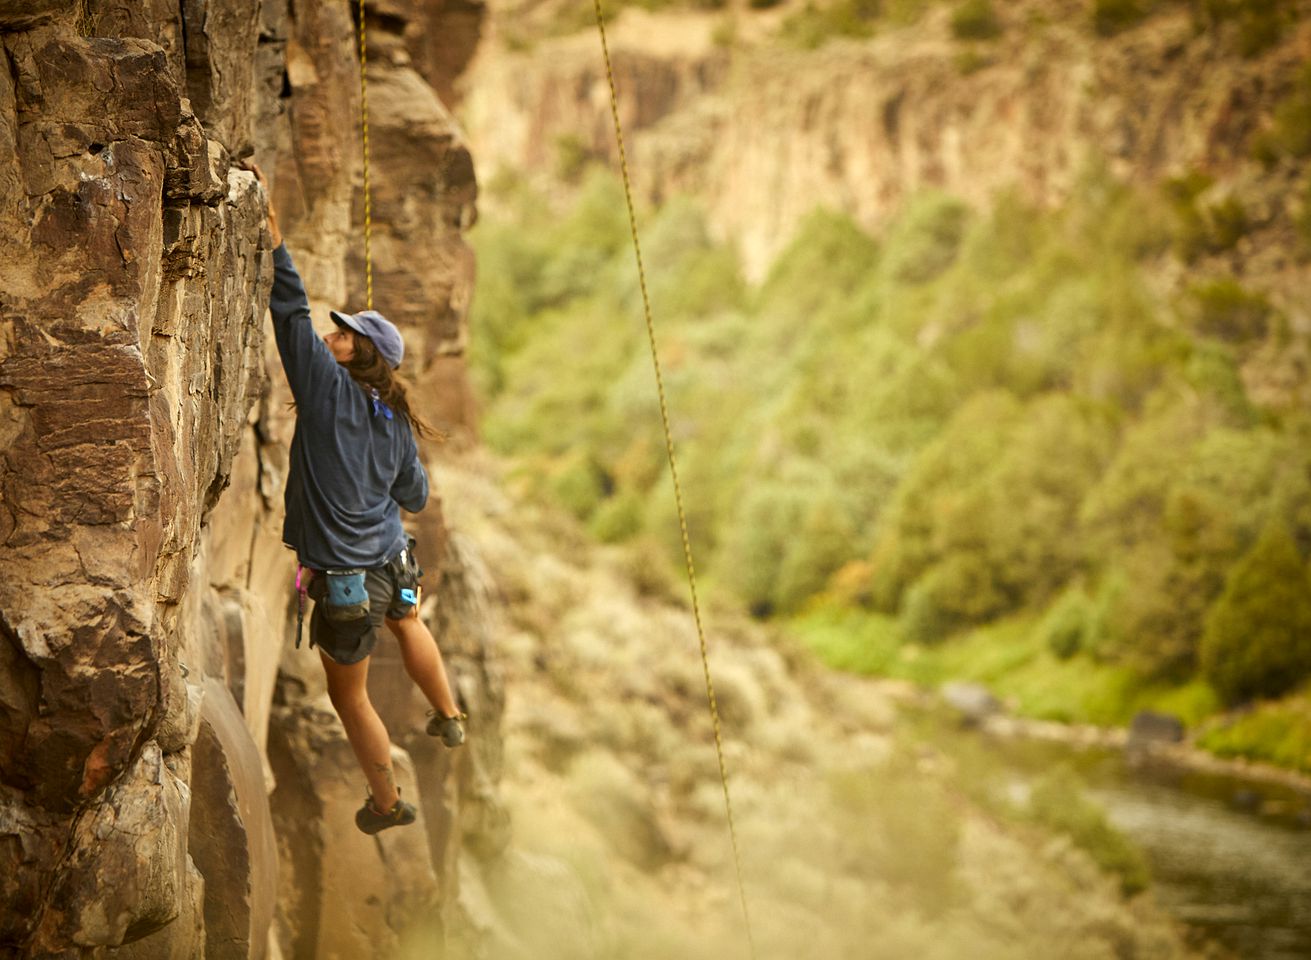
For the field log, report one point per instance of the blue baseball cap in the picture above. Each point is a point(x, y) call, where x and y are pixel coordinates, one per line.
point(372, 324)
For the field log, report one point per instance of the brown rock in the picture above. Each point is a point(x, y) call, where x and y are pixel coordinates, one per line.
point(126, 872)
point(183, 938)
point(220, 38)
point(231, 837)
point(132, 355)
point(346, 894)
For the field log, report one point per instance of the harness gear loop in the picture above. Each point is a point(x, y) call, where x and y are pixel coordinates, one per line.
point(302, 587)
point(673, 469)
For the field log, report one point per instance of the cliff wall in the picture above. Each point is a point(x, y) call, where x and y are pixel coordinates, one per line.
point(171, 781)
point(762, 131)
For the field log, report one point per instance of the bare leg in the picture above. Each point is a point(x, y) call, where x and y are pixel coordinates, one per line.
point(423, 662)
point(347, 686)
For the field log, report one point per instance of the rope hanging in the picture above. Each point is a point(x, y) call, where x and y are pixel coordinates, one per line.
point(660, 387)
point(673, 470)
point(368, 207)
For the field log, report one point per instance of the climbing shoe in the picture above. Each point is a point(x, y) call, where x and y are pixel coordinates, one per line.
point(370, 820)
point(449, 729)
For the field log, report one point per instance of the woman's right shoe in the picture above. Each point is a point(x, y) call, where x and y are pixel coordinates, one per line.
point(371, 821)
point(449, 729)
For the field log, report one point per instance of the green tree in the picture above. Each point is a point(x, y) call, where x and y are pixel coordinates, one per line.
point(1258, 634)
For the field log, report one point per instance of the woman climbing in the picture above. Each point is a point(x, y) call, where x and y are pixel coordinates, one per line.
point(354, 463)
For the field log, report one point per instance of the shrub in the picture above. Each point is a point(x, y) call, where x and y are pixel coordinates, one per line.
point(1226, 310)
point(975, 20)
point(1260, 22)
point(926, 239)
point(579, 483)
point(1229, 223)
point(1278, 733)
point(1112, 16)
point(1257, 640)
point(1068, 626)
point(617, 518)
point(824, 540)
point(958, 591)
point(754, 546)
point(972, 60)
point(1289, 133)
point(571, 157)
point(1201, 228)
point(825, 261)
point(813, 26)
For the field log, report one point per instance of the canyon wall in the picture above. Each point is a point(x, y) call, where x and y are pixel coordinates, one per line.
point(172, 782)
point(763, 131)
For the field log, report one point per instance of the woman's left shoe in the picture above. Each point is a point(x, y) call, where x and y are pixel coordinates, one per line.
point(371, 821)
point(450, 730)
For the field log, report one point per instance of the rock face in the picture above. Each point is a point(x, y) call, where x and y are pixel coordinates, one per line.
point(764, 133)
point(144, 593)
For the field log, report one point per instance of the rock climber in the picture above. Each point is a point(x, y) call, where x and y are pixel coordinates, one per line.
point(354, 464)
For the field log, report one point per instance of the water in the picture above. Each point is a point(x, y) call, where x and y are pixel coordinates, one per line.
point(1231, 857)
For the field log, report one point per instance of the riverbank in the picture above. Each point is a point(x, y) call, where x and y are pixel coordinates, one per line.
point(1076, 700)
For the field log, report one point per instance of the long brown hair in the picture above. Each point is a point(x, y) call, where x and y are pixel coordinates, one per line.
point(368, 369)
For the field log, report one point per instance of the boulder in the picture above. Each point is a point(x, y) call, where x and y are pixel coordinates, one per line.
point(1150, 728)
point(973, 702)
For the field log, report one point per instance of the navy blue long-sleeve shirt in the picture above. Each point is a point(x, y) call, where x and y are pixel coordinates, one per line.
point(351, 467)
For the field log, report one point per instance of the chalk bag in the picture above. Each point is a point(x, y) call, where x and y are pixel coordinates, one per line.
point(346, 597)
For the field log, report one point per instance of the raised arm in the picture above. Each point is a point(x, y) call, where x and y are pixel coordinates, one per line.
point(308, 362)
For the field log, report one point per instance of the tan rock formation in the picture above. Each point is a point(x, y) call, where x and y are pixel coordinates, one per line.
point(144, 611)
point(769, 132)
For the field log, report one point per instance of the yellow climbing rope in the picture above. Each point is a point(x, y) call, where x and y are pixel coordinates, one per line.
point(673, 470)
point(660, 388)
point(368, 207)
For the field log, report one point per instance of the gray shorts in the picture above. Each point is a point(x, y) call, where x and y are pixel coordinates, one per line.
point(351, 642)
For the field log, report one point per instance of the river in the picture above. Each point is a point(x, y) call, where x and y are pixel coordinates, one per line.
point(1230, 855)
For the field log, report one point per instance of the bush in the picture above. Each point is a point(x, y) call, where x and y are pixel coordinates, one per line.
point(958, 591)
point(1224, 309)
point(571, 157)
point(1068, 627)
point(1278, 733)
point(813, 26)
point(579, 483)
point(1289, 133)
point(926, 239)
point(975, 20)
point(1112, 16)
point(761, 532)
point(1257, 640)
point(617, 518)
point(1204, 228)
point(1260, 22)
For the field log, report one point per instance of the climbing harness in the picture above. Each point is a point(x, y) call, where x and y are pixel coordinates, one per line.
point(673, 468)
